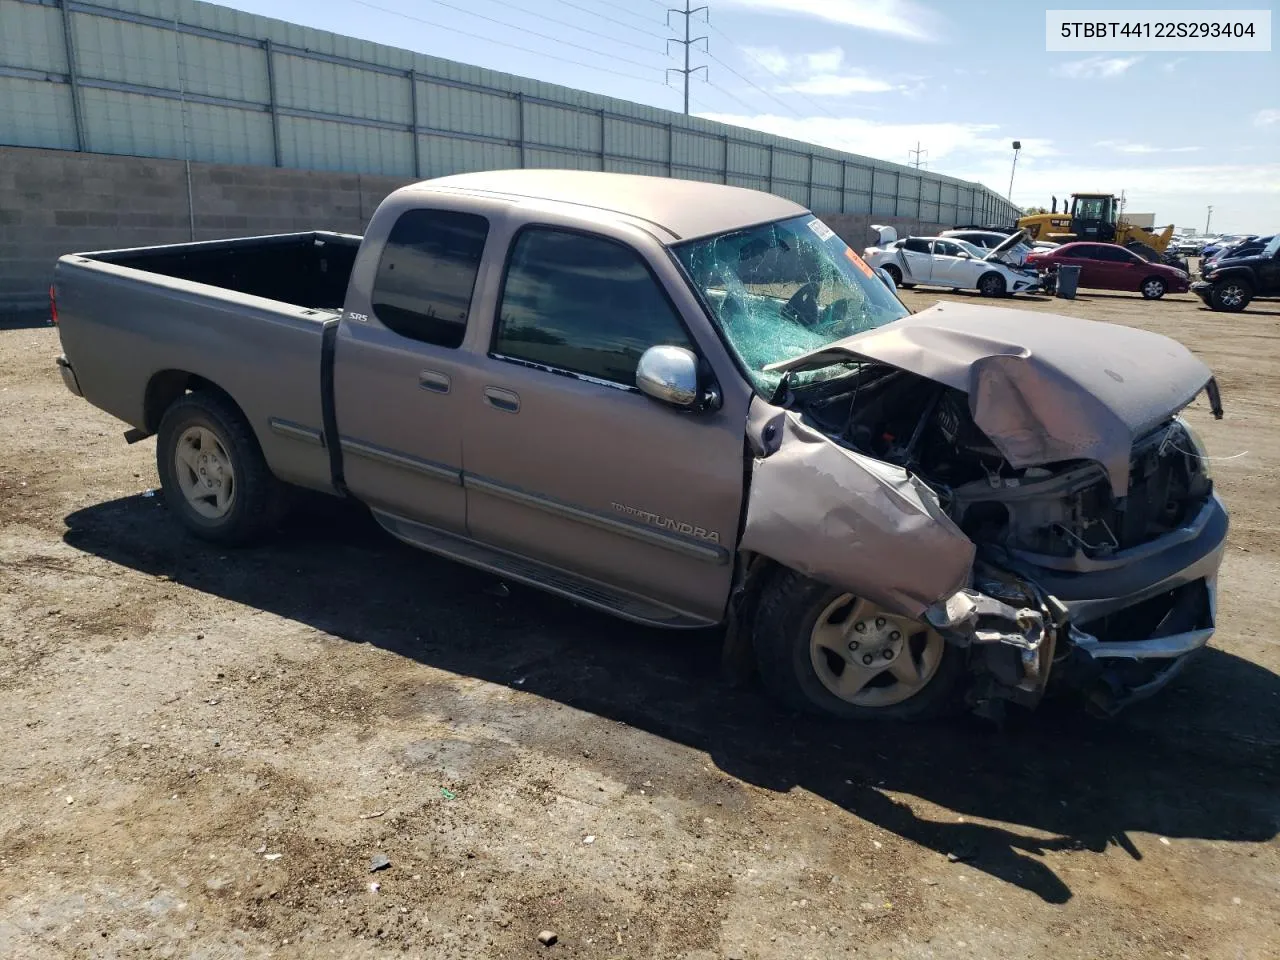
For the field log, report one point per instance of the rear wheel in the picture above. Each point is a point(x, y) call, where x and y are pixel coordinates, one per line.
point(822, 650)
point(894, 272)
point(991, 285)
point(1230, 295)
point(213, 473)
point(1153, 288)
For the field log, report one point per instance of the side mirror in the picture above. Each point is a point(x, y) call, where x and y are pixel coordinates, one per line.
point(966, 255)
point(669, 374)
point(887, 277)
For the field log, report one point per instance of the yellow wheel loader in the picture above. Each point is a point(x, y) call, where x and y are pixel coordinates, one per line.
point(1093, 216)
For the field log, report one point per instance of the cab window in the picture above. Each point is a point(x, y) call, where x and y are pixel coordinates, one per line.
point(582, 304)
point(427, 273)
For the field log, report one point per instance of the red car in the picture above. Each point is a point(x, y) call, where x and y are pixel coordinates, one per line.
point(1108, 266)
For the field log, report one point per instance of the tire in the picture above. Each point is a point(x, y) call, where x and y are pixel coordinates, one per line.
point(894, 272)
point(991, 285)
point(802, 675)
point(1230, 295)
point(907, 286)
point(238, 500)
point(1153, 288)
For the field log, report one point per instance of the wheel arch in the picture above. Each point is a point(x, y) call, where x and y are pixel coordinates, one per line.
point(167, 386)
point(977, 284)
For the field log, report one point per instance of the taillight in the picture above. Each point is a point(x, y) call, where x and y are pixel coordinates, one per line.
point(53, 305)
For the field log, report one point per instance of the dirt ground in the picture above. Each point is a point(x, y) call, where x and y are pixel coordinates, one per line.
point(206, 748)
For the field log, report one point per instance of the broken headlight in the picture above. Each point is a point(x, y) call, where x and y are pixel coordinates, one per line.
point(1194, 447)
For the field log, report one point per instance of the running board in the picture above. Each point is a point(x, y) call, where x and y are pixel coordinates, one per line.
point(571, 586)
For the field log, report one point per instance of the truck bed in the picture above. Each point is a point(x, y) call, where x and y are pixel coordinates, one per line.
point(252, 315)
point(303, 269)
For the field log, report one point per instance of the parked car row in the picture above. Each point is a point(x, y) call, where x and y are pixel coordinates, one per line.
point(1108, 266)
point(1238, 275)
point(957, 260)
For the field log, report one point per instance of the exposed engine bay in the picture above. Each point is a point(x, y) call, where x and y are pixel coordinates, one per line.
point(1059, 515)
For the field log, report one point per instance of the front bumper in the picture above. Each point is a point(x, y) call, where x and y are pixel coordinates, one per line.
point(1117, 631)
point(1202, 289)
point(1123, 646)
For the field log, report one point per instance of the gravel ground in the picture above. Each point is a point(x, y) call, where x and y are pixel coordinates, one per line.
point(207, 749)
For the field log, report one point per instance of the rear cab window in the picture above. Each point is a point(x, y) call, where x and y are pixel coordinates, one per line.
point(427, 274)
point(582, 304)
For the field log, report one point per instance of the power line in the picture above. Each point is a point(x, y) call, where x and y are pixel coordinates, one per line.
point(605, 16)
point(731, 96)
point(571, 26)
point(782, 103)
point(532, 33)
point(503, 43)
point(746, 53)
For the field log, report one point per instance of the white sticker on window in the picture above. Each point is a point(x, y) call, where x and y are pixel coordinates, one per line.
point(824, 232)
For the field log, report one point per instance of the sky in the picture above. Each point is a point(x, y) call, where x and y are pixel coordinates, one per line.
point(1175, 132)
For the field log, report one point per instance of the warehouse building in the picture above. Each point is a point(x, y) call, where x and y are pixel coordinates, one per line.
point(120, 126)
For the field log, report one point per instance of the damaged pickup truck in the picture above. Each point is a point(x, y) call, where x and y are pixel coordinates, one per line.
point(686, 404)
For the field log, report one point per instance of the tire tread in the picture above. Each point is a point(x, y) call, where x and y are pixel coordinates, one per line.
point(260, 495)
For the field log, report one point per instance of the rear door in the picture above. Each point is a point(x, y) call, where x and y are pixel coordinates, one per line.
point(398, 365)
point(916, 255)
point(567, 462)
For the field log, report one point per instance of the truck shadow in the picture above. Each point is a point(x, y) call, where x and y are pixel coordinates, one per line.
point(1198, 762)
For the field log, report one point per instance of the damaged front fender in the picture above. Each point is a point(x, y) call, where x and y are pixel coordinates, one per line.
point(850, 520)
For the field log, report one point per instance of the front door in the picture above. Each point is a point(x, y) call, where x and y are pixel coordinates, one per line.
point(567, 462)
point(1268, 270)
point(1092, 269)
point(952, 266)
point(397, 369)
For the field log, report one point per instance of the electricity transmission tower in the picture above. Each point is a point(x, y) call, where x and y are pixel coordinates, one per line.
point(688, 13)
point(917, 153)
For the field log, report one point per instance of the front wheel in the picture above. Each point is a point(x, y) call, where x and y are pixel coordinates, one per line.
point(1153, 288)
point(821, 650)
point(1230, 295)
point(991, 285)
point(213, 473)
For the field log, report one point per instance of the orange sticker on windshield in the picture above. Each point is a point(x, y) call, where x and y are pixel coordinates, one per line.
point(857, 261)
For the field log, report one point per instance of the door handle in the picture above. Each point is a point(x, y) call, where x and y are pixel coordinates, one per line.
point(500, 399)
point(434, 380)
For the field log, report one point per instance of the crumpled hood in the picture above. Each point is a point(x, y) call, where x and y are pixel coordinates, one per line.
point(1043, 387)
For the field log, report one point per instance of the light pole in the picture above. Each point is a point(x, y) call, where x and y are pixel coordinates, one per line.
point(1207, 217)
point(1017, 145)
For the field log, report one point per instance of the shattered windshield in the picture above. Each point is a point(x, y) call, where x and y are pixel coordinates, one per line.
point(786, 288)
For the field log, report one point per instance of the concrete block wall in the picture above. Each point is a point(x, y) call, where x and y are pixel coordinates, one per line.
point(54, 202)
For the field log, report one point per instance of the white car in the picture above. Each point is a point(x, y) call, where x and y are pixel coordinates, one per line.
point(948, 262)
point(989, 240)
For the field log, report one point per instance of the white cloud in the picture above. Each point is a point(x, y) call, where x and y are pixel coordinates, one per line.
point(1122, 146)
point(837, 85)
point(1171, 65)
point(905, 19)
point(1095, 68)
point(825, 61)
point(821, 73)
point(1264, 118)
point(771, 59)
